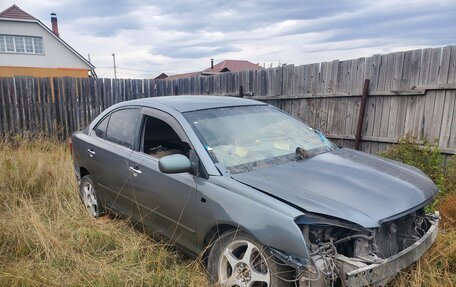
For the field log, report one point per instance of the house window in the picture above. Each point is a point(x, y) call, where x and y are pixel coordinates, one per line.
point(2, 44)
point(28, 44)
point(9, 43)
point(38, 44)
point(21, 44)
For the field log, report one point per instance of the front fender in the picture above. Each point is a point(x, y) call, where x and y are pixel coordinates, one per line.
point(268, 220)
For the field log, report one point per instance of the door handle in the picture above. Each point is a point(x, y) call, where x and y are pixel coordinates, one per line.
point(135, 171)
point(91, 152)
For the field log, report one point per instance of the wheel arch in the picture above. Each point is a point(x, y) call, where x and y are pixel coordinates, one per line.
point(269, 221)
point(83, 172)
point(218, 230)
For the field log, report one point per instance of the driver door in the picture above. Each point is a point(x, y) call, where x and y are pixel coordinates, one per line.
point(163, 203)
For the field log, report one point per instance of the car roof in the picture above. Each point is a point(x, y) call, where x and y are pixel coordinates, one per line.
point(189, 103)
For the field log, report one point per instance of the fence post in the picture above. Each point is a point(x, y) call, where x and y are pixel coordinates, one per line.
point(362, 108)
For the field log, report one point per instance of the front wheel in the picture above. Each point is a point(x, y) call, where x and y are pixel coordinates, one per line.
point(89, 197)
point(238, 260)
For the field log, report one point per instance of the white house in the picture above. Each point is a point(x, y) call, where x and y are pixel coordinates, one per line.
point(30, 48)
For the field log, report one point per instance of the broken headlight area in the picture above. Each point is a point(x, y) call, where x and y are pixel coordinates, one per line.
point(338, 249)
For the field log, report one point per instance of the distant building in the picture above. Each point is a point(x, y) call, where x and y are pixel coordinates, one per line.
point(222, 67)
point(230, 66)
point(161, 76)
point(30, 48)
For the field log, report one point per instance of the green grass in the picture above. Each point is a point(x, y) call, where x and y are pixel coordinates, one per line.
point(48, 239)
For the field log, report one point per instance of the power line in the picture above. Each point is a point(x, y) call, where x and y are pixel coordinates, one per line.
point(104, 74)
point(122, 68)
point(135, 70)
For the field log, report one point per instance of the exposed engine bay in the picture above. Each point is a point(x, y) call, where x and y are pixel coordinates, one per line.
point(336, 251)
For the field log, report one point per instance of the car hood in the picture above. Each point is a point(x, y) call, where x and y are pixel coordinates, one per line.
point(347, 184)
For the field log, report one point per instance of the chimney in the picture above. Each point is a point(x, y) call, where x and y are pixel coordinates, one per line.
point(212, 64)
point(55, 26)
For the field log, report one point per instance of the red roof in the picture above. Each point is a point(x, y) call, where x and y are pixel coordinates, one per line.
point(232, 66)
point(225, 66)
point(15, 12)
point(183, 76)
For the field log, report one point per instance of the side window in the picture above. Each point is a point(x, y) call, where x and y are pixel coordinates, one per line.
point(100, 129)
point(160, 139)
point(122, 127)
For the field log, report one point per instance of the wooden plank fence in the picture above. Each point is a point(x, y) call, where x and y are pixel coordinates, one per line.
point(412, 92)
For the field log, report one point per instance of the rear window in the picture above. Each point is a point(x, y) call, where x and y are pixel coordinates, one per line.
point(122, 127)
point(100, 130)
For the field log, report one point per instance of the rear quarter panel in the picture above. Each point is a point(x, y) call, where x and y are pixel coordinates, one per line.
point(80, 145)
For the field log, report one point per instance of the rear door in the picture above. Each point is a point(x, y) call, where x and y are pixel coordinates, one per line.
point(109, 152)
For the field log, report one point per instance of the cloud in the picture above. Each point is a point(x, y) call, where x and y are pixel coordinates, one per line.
point(154, 36)
point(107, 26)
point(194, 51)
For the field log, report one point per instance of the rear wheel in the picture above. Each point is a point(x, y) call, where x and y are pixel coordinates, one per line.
point(89, 197)
point(238, 260)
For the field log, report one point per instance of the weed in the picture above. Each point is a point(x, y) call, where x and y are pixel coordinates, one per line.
point(425, 156)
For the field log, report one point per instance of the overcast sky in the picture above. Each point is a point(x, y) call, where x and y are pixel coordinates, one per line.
point(177, 36)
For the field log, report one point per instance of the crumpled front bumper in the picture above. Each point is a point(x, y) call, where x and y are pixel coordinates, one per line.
point(379, 274)
point(355, 273)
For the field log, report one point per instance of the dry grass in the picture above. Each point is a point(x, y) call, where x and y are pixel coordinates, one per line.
point(47, 238)
point(436, 268)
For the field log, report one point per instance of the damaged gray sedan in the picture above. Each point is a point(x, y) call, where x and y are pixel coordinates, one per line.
point(267, 200)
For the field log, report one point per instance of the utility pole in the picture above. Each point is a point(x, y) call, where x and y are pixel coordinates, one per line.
point(89, 58)
point(114, 61)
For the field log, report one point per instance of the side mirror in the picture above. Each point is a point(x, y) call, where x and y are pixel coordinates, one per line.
point(175, 163)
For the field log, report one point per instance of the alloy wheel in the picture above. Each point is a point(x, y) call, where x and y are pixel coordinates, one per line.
point(89, 199)
point(243, 264)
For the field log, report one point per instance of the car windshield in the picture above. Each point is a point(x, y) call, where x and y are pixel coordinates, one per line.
point(249, 137)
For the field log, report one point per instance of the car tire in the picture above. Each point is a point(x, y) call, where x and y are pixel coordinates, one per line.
point(89, 197)
point(237, 259)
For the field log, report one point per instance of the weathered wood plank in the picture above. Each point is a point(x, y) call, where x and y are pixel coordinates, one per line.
point(452, 68)
point(46, 94)
point(332, 88)
point(452, 132)
point(372, 71)
point(395, 113)
point(425, 66)
point(444, 70)
point(419, 121)
point(448, 117)
point(388, 71)
point(379, 84)
point(437, 115)
point(434, 66)
point(35, 106)
point(21, 98)
point(30, 106)
point(426, 124)
point(4, 107)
